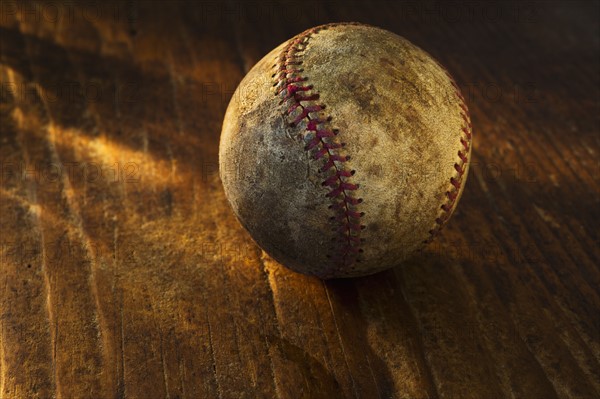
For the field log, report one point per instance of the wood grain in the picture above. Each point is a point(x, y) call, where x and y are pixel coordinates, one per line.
point(124, 273)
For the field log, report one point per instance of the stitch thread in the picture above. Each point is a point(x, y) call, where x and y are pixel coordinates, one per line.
point(300, 100)
point(460, 167)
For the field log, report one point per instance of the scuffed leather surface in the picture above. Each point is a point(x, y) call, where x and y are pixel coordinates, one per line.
point(399, 116)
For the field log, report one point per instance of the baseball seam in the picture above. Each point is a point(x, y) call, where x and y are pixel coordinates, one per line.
point(460, 166)
point(301, 104)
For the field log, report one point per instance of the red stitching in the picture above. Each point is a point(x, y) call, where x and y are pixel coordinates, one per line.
point(297, 95)
point(460, 167)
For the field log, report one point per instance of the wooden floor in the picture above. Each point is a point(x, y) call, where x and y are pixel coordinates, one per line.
point(124, 273)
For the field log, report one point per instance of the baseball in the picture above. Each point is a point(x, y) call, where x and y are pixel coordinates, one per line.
point(345, 150)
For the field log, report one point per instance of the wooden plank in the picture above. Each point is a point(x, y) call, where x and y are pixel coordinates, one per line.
point(124, 273)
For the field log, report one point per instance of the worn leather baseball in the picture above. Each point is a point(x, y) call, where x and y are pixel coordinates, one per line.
point(345, 150)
